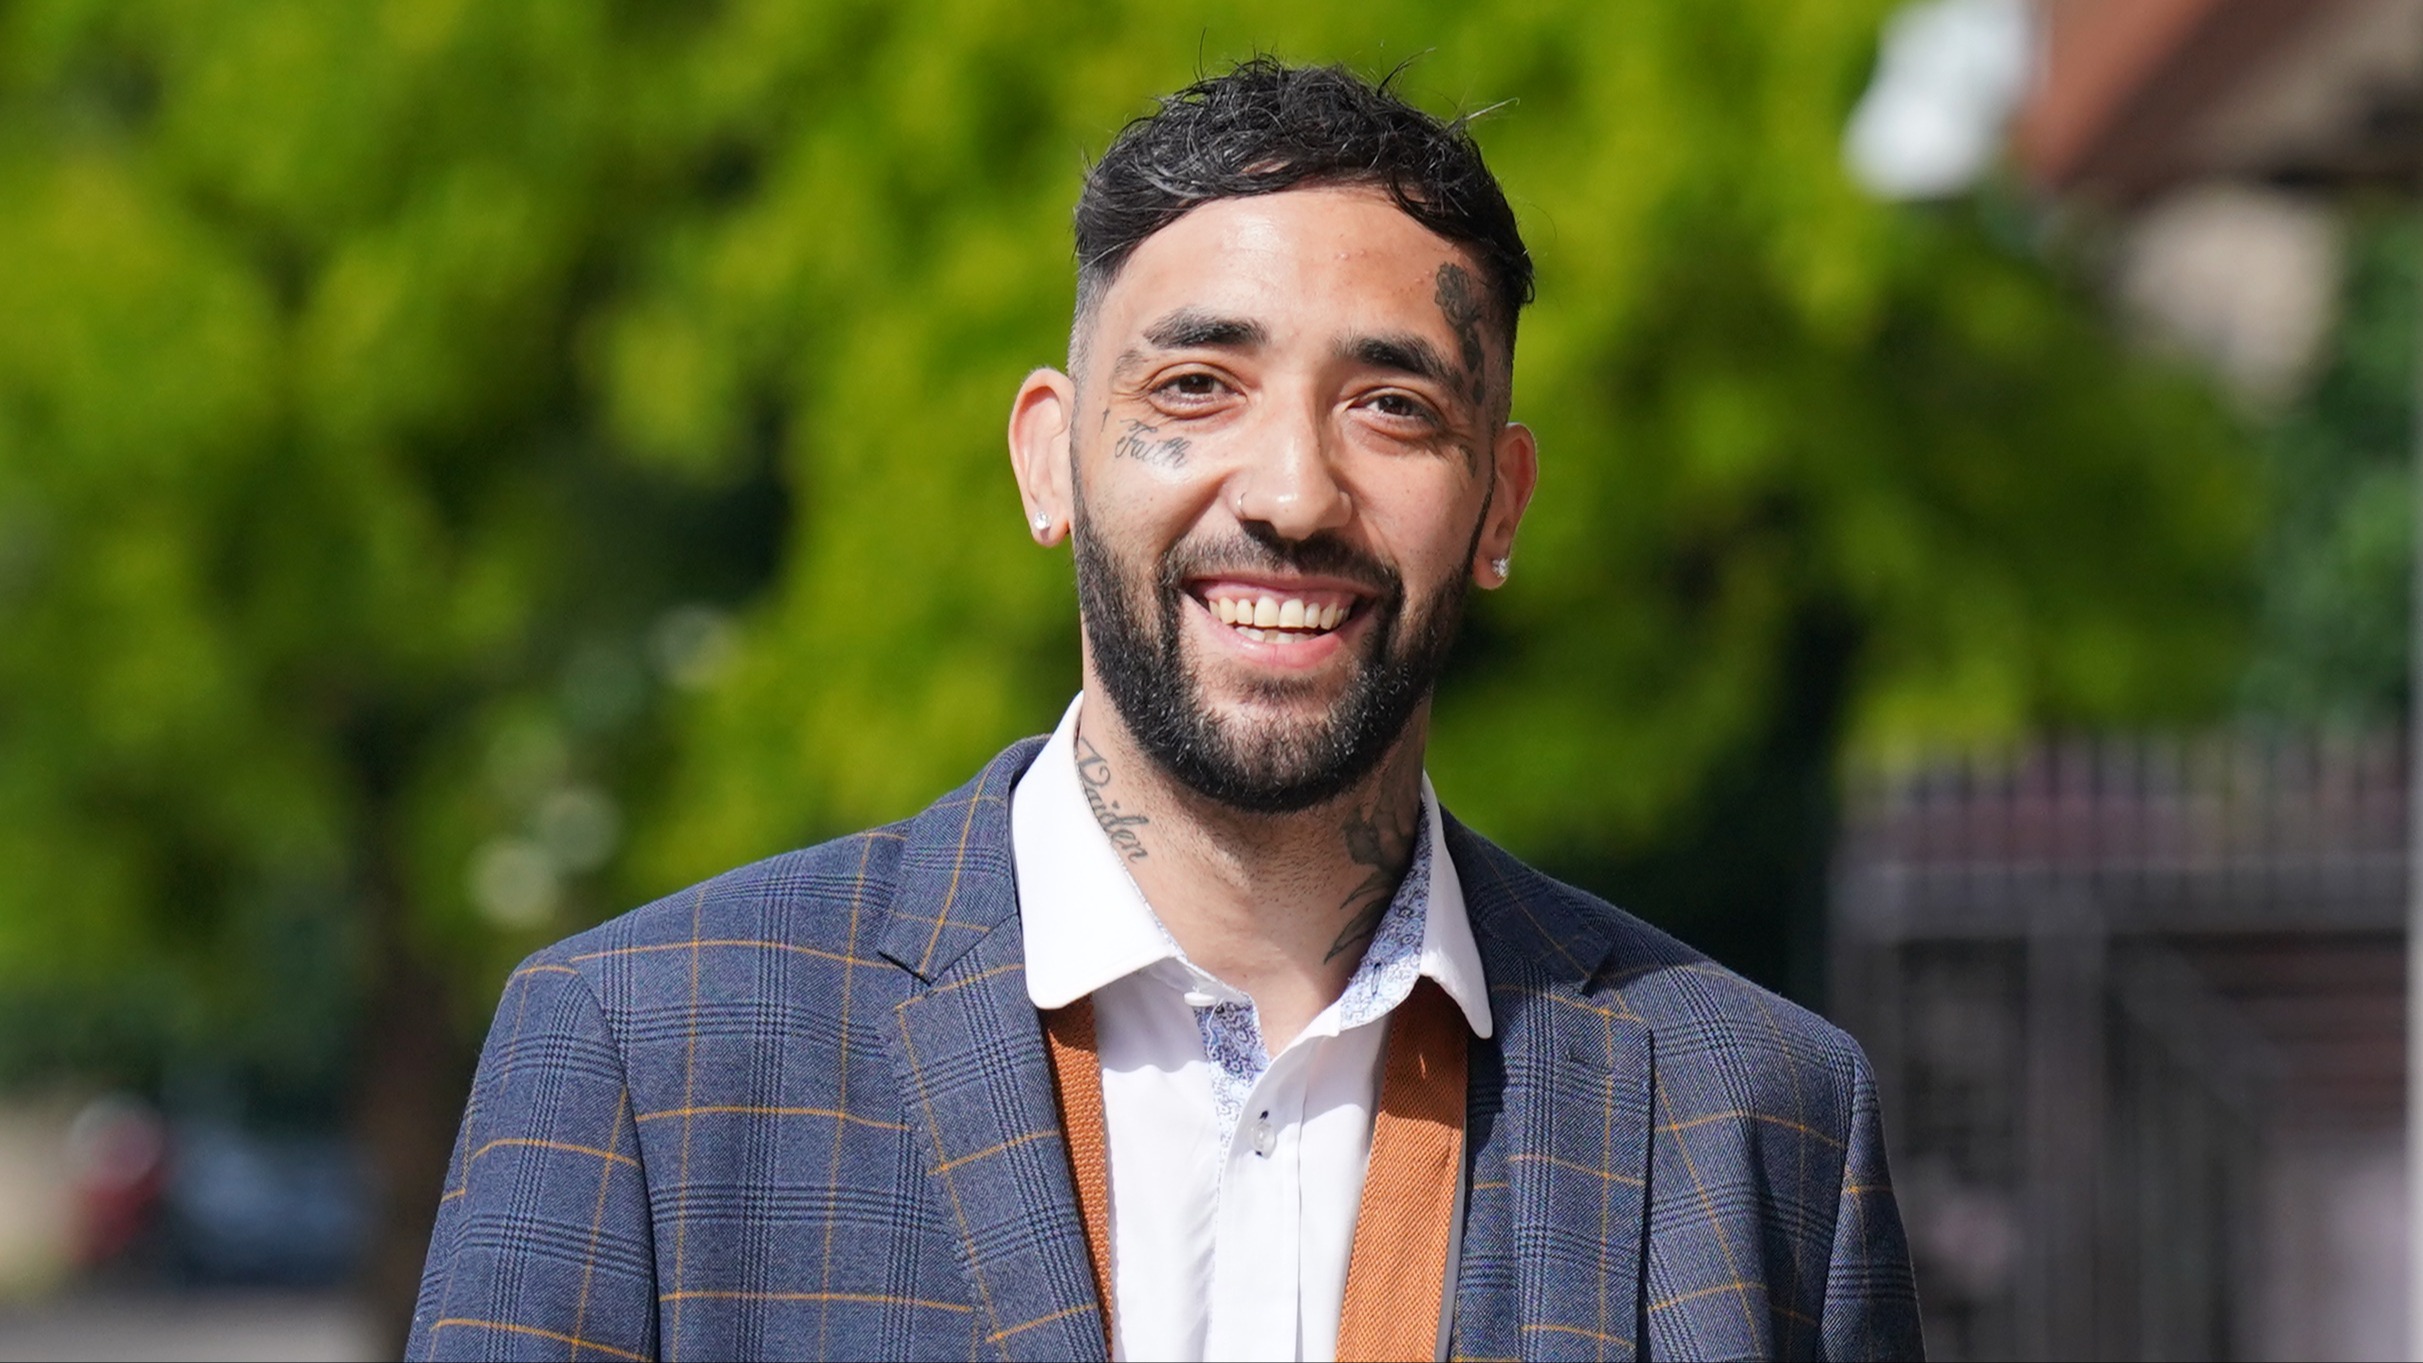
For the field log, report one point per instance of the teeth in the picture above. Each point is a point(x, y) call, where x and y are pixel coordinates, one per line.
point(1264, 619)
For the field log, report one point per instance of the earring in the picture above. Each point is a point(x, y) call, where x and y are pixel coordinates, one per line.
point(1042, 522)
point(1503, 567)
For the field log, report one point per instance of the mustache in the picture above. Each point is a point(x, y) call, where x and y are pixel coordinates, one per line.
point(1258, 548)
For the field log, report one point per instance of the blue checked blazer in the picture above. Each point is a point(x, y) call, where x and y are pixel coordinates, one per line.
point(804, 1110)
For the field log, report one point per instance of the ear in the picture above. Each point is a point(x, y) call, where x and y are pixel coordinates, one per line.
point(1039, 452)
point(1517, 455)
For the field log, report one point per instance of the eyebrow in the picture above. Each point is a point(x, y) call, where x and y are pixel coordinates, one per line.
point(1404, 353)
point(1188, 328)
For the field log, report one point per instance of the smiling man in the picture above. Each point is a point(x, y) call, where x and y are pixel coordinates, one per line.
point(1196, 1029)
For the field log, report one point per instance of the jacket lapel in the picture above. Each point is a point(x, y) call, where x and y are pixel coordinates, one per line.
point(1560, 1126)
point(977, 1081)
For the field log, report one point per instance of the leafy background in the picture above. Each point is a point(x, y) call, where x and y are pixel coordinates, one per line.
point(469, 469)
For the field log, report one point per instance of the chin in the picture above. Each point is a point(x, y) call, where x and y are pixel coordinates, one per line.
point(1252, 703)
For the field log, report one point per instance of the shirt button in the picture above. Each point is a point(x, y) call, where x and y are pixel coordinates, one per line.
point(1196, 998)
point(1265, 1139)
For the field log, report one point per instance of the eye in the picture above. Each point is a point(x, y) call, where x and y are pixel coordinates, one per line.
point(1192, 388)
point(1402, 407)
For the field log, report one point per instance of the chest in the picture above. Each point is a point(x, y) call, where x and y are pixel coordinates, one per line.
point(1235, 1185)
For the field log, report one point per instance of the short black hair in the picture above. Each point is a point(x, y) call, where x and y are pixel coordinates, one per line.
point(1265, 127)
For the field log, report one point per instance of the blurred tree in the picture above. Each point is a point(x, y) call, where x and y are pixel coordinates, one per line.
point(331, 592)
point(2332, 641)
point(437, 437)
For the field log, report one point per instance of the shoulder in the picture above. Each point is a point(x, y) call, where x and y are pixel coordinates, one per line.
point(1701, 1015)
point(822, 902)
point(785, 931)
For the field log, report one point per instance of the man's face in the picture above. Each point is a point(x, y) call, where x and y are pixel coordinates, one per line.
point(1285, 447)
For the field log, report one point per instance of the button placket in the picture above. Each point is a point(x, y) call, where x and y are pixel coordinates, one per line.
point(1257, 1264)
point(1265, 1144)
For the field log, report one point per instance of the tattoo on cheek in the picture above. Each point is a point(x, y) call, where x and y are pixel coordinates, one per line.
point(1094, 773)
point(1146, 443)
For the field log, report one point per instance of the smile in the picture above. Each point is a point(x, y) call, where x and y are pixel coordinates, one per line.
point(1271, 617)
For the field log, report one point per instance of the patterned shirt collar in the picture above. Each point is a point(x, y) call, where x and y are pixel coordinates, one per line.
point(1395, 958)
point(1086, 924)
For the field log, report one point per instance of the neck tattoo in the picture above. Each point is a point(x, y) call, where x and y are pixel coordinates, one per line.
point(1094, 773)
point(1380, 838)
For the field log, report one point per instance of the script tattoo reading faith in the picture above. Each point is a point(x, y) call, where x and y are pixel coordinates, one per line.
point(1145, 443)
point(1094, 773)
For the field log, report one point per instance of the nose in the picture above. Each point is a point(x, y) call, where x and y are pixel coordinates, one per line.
point(1292, 487)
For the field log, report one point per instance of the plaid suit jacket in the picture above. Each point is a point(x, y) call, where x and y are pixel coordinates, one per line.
point(805, 1111)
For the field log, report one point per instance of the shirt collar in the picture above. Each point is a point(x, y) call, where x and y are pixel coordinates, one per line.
point(1087, 925)
point(1449, 953)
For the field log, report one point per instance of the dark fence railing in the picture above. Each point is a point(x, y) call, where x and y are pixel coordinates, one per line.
point(2137, 1013)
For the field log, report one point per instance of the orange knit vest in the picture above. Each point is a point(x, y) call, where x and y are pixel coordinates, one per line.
point(1397, 1268)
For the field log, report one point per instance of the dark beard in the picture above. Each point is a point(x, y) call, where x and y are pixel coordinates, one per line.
point(1134, 627)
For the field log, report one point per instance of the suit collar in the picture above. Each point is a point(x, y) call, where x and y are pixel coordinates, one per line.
point(1560, 1118)
point(956, 882)
point(1527, 937)
point(976, 1080)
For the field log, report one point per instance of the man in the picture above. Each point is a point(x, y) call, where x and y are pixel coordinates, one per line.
point(1197, 1029)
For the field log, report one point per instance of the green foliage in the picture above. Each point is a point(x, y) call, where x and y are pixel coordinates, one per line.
point(433, 435)
point(323, 574)
point(2332, 643)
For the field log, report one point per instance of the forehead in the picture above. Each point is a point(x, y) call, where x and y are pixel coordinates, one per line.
point(1306, 263)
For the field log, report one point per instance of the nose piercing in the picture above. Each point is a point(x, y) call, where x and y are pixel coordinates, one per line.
point(1236, 503)
point(1503, 567)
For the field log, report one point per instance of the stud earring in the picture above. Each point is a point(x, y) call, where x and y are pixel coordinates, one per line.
point(1042, 522)
point(1503, 567)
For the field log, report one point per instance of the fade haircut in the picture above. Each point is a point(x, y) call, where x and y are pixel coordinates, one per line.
point(1265, 127)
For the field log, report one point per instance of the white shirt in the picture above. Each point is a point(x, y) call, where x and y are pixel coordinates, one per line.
point(1235, 1177)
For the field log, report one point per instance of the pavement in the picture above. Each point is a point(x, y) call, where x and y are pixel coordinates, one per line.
point(199, 1326)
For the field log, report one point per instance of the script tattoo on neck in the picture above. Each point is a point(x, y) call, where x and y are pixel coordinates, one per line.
point(1145, 442)
point(1379, 837)
point(1094, 773)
